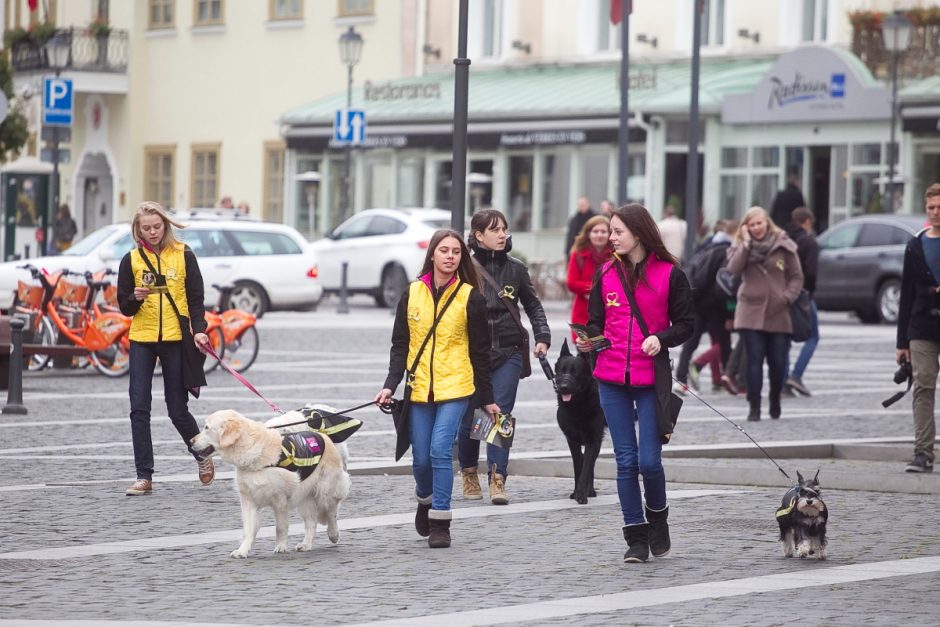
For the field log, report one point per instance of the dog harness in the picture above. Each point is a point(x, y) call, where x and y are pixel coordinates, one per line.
point(337, 426)
point(301, 452)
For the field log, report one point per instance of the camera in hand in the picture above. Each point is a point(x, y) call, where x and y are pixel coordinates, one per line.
point(904, 372)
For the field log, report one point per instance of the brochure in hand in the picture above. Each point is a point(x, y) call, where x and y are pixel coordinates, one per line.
point(598, 342)
point(499, 432)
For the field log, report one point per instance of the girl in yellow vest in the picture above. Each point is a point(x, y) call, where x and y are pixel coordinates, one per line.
point(454, 365)
point(155, 332)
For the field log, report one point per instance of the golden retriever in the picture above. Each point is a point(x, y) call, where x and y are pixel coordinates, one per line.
point(254, 449)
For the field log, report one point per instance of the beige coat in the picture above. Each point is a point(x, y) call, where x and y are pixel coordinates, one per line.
point(768, 288)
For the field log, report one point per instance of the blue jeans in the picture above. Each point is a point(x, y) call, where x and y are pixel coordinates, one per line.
point(505, 384)
point(143, 360)
point(809, 346)
point(759, 345)
point(622, 406)
point(433, 427)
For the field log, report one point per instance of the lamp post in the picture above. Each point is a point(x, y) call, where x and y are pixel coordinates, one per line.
point(896, 30)
point(58, 53)
point(350, 49)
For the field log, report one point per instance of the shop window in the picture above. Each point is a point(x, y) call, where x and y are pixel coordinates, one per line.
point(765, 157)
point(815, 20)
point(158, 174)
point(594, 173)
point(519, 209)
point(763, 189)
point(840, 170)
point(208, 13)
point(866, 154)
point(160, 14)
point(355, 8)
point(285, 10)
point(204, 176)
point(486, 29)
point(556, 190)
point(734, 157)
point(865, 194)
point(443, 172)
point(410, 182)
point(272, 206)
point(378, 177)
point(733, 190)
point(713, 22)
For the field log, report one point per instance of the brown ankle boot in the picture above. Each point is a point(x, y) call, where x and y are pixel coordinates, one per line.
point(439, 537)
point(471, 484)
point(498, 494)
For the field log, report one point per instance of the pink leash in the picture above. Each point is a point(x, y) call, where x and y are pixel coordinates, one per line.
point(211, 352)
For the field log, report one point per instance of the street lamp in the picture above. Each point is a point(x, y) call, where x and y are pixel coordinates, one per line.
point(58, 53)
point(896, 30)
point(350, 49)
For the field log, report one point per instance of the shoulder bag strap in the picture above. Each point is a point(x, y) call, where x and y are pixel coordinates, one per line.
point(510, 305)
point(433, 326)
point(633, 307)
point(143, 255)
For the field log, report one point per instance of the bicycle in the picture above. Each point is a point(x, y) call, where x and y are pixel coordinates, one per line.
point(30, 305)
point(232, 333)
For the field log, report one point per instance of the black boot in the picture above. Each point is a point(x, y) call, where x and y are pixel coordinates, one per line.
point(754, 413)
point(659, 532)
point(638, 541)
point(775, 405)
point(440, 529)
point(421, 518)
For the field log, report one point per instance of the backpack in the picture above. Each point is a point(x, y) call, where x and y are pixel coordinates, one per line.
point(727, 282)
point(697, 272)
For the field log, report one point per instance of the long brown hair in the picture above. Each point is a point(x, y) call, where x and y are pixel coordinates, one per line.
point(583, 240)
point(640, 223)
point(465, 269)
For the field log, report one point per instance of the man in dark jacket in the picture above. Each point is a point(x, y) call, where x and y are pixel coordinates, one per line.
point(800, 231)
point(576, 223)
point(787, 199)
point(918, 340)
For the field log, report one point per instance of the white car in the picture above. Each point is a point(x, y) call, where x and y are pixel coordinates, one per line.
point(384, 250)
point(268, 264)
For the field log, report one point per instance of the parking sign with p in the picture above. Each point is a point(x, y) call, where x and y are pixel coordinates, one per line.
point(57, 101)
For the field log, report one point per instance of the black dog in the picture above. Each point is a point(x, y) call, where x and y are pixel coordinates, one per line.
point(580, 417)
point(802, 517)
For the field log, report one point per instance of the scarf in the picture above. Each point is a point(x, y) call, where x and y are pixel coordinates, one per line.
point(758, 249)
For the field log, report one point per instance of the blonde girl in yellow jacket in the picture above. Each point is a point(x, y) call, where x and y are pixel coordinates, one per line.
point(455, 364)
point(155, 332)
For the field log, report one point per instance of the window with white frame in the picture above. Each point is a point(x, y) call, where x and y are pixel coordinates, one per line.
point(749, 176)
point(486, 29)
point(713, 22)
point(608, 35)
point(814, 20)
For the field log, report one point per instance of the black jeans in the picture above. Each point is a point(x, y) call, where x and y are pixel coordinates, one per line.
point(713, 326)
point(143, 360)
point(759, 345)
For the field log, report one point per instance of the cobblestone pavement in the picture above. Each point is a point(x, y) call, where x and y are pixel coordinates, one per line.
point(74, 548)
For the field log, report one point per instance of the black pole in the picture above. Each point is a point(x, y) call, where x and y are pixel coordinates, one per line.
point(892, 149)
point(343, 307)
point(691, 173)
point(347, 165)
point(458, 187)
point(623, 136)
point(15, 388)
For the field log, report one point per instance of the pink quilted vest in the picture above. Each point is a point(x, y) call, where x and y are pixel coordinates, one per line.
point(624, 362)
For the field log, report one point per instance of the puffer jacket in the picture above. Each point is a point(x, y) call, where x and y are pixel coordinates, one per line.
point(767, 288)
point(513, 276)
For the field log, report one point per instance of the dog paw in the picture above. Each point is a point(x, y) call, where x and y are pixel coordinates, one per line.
point(280, 548)
point(334, 537)
point(572, 496)
point(580, 498)
point(592, 493)
point(303, 547)
point(239, 553)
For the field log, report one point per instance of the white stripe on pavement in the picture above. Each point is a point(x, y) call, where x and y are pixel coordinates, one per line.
point(364, 522)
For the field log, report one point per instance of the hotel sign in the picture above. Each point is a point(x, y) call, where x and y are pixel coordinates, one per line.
point(811, 84)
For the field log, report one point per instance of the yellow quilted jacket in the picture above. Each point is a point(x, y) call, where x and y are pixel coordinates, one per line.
point(156, 320)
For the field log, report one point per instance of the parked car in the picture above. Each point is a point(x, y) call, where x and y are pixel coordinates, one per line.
point(860, 263)
point(268, 264)
point(384, 250)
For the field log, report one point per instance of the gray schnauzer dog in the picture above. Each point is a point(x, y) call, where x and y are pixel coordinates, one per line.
point(802, 517)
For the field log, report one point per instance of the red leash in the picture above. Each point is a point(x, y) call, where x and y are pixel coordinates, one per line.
point(211, 352)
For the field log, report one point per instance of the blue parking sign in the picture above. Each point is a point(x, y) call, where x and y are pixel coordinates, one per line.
point(58, 101)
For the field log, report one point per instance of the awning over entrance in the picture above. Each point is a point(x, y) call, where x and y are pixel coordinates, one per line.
point(571, 104)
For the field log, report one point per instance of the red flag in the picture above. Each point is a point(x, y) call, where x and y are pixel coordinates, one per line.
point(616, 10)
point(33, 5)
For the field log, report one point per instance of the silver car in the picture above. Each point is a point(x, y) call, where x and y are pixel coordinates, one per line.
point(860, 263)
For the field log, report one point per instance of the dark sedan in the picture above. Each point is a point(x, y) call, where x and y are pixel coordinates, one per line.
point(860, 262)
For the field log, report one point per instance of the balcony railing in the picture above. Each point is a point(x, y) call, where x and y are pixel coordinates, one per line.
point(921, 59)
point(88, 53)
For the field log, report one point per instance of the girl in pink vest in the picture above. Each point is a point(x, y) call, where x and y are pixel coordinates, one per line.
point(634, 384)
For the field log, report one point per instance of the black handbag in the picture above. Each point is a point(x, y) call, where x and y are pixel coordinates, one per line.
point(194, 377)
point(801, 317)
point(668, 403)
point(400, 409)
point(514, 313)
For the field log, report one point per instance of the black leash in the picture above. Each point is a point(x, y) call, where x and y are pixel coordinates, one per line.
point(547, 369)
point(328, 414)
point(736, 426)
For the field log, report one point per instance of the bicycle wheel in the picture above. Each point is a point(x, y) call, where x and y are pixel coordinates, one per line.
point(113, 361)
point(47, 336)
point(217, 339)
point(241, 353)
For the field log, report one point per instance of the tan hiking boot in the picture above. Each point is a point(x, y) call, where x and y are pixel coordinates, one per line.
point(471, 484)
point(141, 487)
point(498, 494)
point(206, 470)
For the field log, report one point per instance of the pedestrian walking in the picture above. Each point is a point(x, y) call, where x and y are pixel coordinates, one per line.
point(918, 337)
point(788, 198)
point(445, 312)
point(156, 333)
point(576, 222)
point(765, 258)
point(63, 229)
point(807, 249)
point(673, 230)
point(590, 251)
point(635, 393)
point(505, 285)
